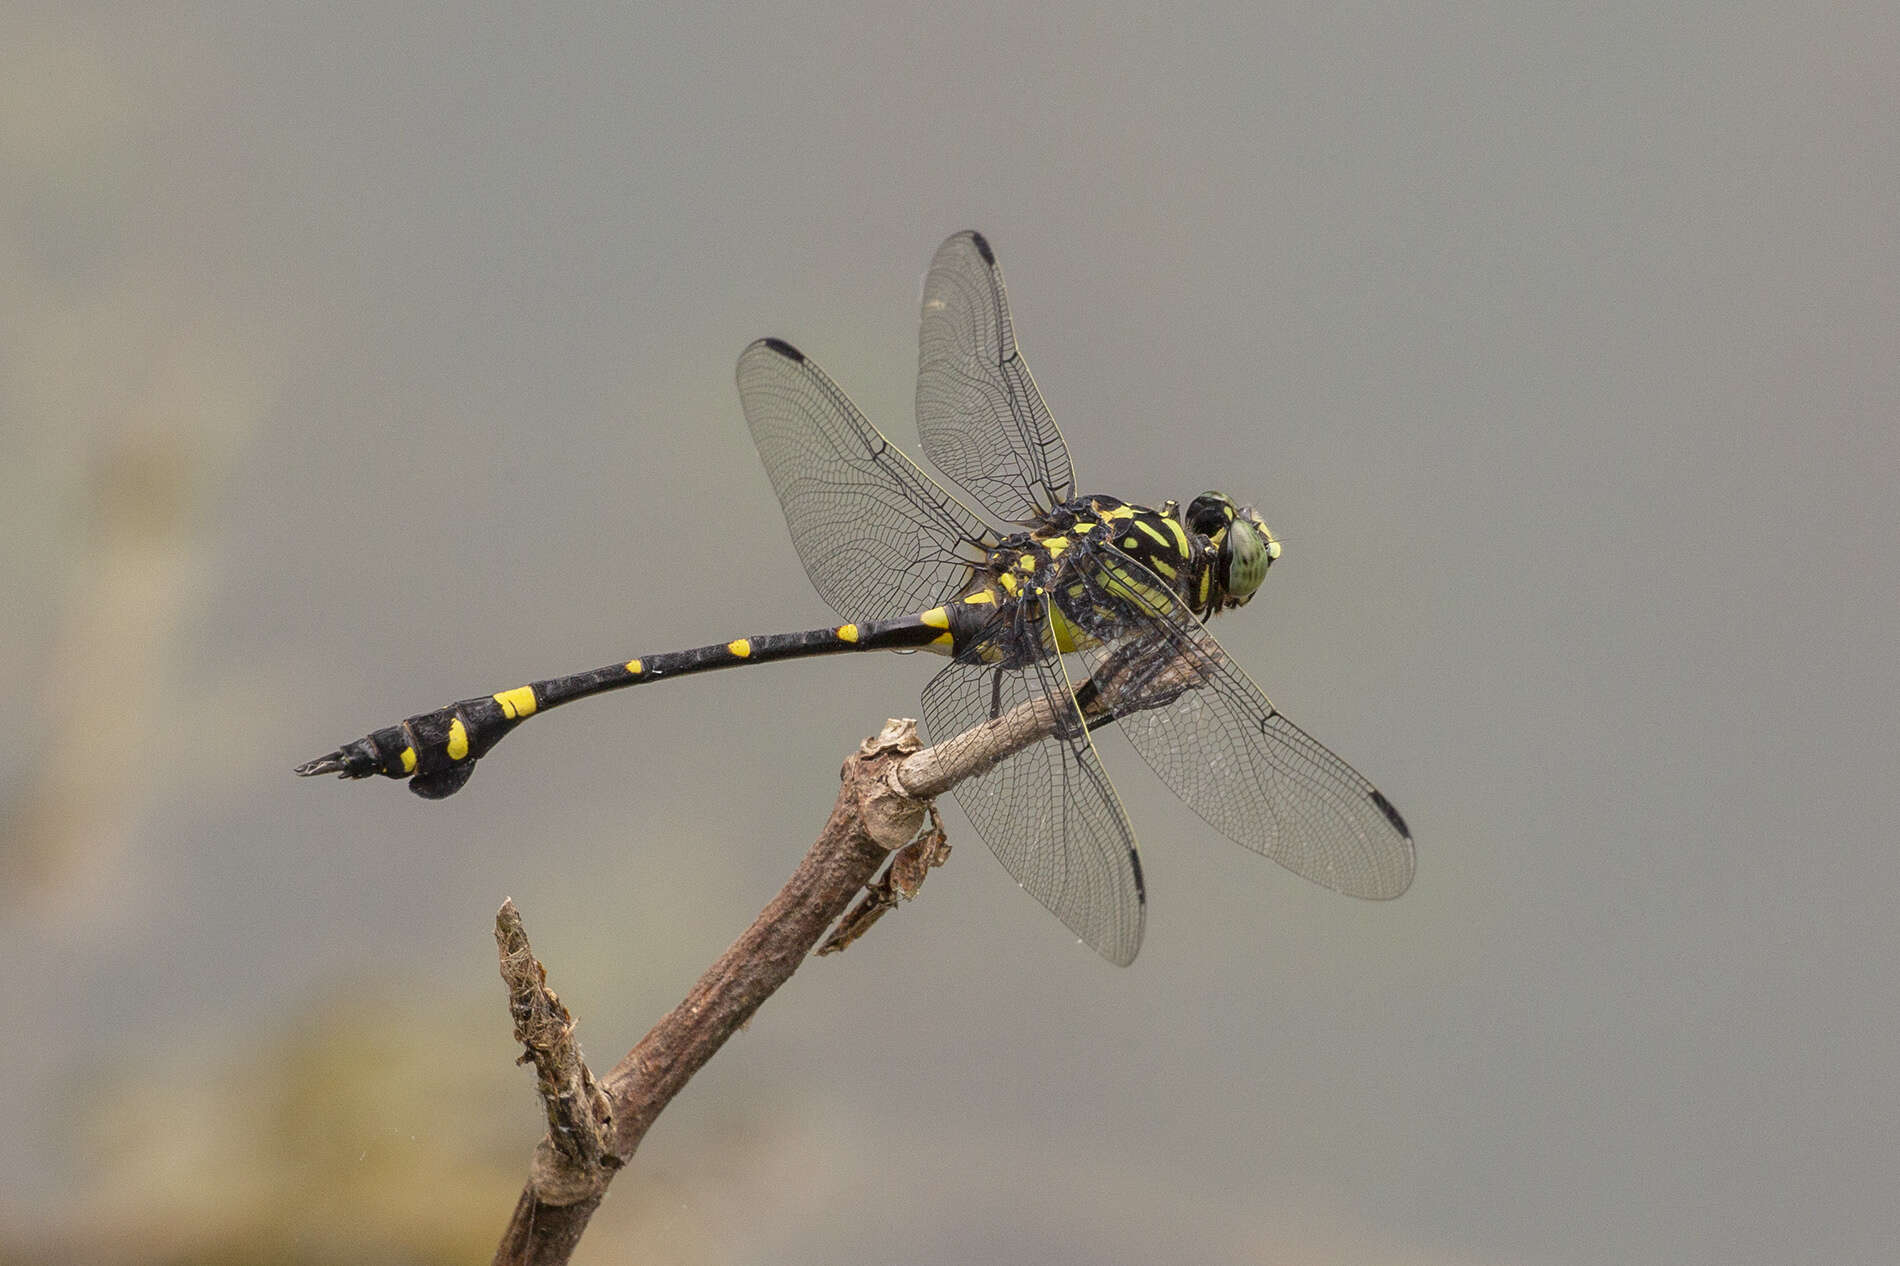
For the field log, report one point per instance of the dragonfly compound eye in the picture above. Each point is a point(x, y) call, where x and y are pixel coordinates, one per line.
point(1245, 557)
point(1210, 513)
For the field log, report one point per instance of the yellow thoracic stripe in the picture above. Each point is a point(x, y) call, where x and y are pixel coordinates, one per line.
point(740, 648)
point(518, 703)
point(458, 739)
point(1123, 582)
point(1180, 537)
point(1160, 537)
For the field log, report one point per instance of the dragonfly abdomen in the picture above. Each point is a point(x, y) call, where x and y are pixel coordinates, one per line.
point(437, 751)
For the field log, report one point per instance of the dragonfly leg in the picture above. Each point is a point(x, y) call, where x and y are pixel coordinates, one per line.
point(1135, 677)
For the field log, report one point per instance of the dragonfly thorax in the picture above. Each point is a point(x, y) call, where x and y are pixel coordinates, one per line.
point(1215, 556)
point(1155, 538)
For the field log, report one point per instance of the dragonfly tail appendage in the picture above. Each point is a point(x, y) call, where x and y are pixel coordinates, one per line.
point(436, 751)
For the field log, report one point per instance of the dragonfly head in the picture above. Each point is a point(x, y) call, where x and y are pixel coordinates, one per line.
point(1243, 546)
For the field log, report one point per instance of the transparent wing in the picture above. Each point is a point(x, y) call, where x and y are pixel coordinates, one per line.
point(879, 538)
point(1048, 811)
point(1203, 725)
point(982, 421)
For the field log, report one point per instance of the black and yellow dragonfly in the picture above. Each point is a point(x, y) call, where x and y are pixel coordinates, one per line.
point(1090, 602)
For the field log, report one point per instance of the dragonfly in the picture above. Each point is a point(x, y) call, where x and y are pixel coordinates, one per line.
point(1090, 606)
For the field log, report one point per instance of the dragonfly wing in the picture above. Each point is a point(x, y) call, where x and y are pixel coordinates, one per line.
point(878, 537)
point(1218, 742)
point(982, 421)
point(1048, 811)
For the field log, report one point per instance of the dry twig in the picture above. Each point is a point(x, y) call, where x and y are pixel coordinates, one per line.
point(594, 1130)
point(872, 817)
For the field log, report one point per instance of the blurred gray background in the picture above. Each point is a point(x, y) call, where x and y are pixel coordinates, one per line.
point(357, 360)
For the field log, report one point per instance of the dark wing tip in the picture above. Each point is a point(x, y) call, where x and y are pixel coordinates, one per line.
point(1391, 814)
point(1124, 955)
point(783, 348)
point(982, 245)
point(1405, 833)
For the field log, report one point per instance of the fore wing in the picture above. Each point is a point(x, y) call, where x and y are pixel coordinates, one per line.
point(982, 421)
point(1217, 741)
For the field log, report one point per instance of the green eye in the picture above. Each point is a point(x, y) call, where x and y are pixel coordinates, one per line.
point(1248, 556)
